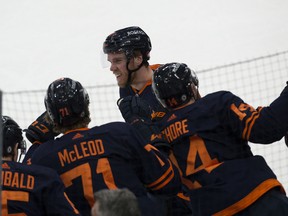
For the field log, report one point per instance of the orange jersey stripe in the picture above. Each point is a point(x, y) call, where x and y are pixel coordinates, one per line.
point(245, 131)
point(250, 198)
point(251, 125)
point(155, 66)
point(162, 180)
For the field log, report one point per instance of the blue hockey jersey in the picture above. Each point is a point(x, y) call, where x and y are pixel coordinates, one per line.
point(209, 140)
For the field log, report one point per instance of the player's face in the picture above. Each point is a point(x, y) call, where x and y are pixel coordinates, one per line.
point(118, 66)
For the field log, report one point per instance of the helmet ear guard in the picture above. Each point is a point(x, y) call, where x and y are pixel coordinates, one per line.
point(172, 84)
point(12, 134)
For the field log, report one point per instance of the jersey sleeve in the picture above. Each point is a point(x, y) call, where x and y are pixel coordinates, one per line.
point(262, 125)
point(159, 174)
point(56, 200)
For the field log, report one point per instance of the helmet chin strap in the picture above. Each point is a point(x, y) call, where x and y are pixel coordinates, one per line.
point(129, 81)
point(195, 91)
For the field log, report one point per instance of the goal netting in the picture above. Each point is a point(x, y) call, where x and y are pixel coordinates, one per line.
point(257, 81)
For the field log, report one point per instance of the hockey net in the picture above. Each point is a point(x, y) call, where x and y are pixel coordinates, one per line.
point(257, 81)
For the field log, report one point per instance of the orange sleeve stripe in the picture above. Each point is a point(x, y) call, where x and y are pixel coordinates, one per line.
point(245, 131)
point(72, 205)
point(162, 180)
point(252, 119)
point(237, 111)
point(163, 184)
point(251, 126)
point(250, 198)
point(184, 197)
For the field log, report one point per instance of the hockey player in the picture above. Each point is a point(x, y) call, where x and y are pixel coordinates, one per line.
point(29, 190)
point(109, 156)
point(209, 139)
point(128, 51)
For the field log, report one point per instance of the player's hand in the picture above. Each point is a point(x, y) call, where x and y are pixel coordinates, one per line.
point(133, 108)
point(137, 112)
point(40, 130)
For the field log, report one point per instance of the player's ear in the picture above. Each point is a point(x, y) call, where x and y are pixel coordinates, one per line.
point(138, 59)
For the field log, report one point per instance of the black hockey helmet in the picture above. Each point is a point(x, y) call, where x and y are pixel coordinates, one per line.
point(12, 134)
point(128, 40)
point(172, 84)
point(66, 101)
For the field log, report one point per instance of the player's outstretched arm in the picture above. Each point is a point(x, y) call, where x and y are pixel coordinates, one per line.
point(265, 124)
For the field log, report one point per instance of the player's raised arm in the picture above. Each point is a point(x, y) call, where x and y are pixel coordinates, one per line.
point(265, 124)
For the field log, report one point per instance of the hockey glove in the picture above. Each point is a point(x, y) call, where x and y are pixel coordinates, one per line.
point(40, 130)
point(137, 112)
point(133, 107)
